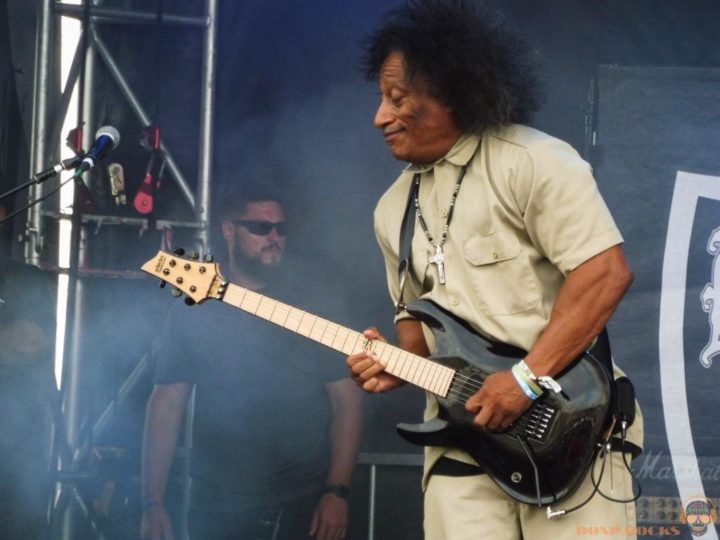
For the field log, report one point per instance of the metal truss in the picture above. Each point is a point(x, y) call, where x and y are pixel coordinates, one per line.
point(67, 508)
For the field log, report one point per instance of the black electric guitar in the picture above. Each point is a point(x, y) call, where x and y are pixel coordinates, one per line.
point(540, 459)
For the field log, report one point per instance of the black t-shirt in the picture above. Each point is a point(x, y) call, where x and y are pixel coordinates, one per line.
point(262, 413)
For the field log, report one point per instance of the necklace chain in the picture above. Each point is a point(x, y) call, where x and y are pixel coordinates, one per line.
point(438, 258)
point(446, 227)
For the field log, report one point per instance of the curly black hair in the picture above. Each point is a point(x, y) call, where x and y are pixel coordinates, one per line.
point(467, 56)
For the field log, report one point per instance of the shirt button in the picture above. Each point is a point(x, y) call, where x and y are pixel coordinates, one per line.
point(454, 301)
point(444, 213)
point(495, 255)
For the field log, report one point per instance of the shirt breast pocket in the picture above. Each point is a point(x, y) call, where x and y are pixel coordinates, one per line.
point(500, 274)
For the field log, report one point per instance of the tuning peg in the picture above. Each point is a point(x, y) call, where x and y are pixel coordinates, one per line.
point(179, 251)
point(177, 293)
point(163, 283)
point(189, 301)
point(194, 256)
point(209, 258)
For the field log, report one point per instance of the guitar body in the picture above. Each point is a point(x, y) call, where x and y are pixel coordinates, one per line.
point(544, 456)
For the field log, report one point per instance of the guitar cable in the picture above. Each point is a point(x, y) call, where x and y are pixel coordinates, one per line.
point(635, 481)
point(605, 451)
point(625, 404)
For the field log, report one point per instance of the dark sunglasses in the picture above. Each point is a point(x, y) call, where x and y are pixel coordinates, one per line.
point(261, 228)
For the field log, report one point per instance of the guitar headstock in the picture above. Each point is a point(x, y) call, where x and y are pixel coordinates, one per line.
point(198, 280)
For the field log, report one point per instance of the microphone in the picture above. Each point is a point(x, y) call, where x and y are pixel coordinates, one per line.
point(106, 139)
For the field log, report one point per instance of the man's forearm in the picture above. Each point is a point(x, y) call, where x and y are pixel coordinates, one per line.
point(588, 298)
point(345, 430)
point(162, 426)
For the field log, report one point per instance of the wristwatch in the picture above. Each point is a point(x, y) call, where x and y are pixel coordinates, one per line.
point(338, 489)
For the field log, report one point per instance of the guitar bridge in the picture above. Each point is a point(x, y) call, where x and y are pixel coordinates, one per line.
point(536, 423)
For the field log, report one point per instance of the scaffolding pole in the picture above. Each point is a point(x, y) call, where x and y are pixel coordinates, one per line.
point(44, 146)
point(39, 155)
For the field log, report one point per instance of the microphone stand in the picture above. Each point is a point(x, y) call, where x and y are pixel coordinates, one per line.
point(47, 174)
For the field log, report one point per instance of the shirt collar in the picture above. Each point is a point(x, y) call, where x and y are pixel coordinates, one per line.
point(460, 154)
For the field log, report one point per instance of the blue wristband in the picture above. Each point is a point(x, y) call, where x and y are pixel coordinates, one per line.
point(524, 386)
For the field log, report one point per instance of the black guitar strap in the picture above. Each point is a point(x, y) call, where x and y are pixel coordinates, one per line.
point(407, 228)
point(601, 351)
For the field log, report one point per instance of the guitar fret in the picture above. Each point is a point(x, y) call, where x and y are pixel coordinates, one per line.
point(322, 325)
point(444, 388)
point(326, 332)
point(422, 374)
point(403, 364)
point(417, 369)
point(335, 333)
point(250, 302)
point(352, 349)
point(391, 360)
point(407, 364)
point(392, 365)
point(422, 380)
point(362, 338)
point(437, 376)
point(279, 313)
point(319, 329)
point(340, 347)
point(299, 323)
point(434, 383)
point(293, 320)
point(277, 305)
point(407, 369)
point(431, 376)
point(244, 293)
point(387, 356)
point(441, 380)
point(337, 337)
point(287, 315)
point(400, 363)
point(338, 332)
point(300, 327)
point(265, 308)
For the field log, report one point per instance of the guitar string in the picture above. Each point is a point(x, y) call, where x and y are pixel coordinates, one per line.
point(291, 314)
point(468, 381)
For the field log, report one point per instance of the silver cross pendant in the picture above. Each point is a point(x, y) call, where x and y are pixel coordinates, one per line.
point(439, 260)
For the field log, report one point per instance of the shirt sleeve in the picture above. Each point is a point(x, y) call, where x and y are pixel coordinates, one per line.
point(175, 353)
point(565, 215)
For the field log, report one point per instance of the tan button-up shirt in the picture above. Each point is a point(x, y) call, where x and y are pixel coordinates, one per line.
point(528, 212)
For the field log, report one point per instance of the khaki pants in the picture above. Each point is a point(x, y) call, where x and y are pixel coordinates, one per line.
point(474, 508)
